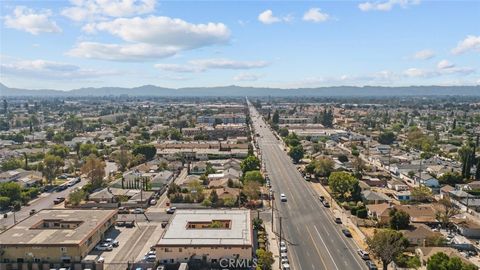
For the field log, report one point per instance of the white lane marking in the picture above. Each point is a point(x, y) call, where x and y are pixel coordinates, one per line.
point(326, 248)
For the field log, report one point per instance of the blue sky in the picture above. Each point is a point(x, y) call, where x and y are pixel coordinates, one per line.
point(95, 43)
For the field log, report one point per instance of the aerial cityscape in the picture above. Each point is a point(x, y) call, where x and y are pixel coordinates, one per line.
point(265, 135)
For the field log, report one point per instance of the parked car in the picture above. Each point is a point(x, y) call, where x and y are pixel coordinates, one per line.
point(104, 247)
point(283, 247)
point(59, 200)
point(120, 223)
point(326, 204)
point(347, 232)
point(283, 197)
point(112, 242)
point(363, 254)
point(138, 211)
point(285, 266)
point(129, 224)
point(32, 212)
point(122, 210)
point(151, 258)
point(371, 265)
point(100, 259)
point(338, 220)
point(153, 202)
point(164, 224)
point(322, 198)
point(171, 210)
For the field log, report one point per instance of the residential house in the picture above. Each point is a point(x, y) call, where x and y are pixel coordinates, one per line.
point(372, 197)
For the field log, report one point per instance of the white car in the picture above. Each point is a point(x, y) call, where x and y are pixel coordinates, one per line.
point(138, 211)
point(283, 247)
point(363, 254)
point(112, 242)
point(283, 197)
point(285, 266)
point(150, 258)
point(104, 247)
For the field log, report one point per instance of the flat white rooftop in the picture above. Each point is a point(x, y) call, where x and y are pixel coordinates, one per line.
point(238, 233)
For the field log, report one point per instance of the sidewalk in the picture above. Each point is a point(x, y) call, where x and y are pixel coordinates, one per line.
point(273, 245)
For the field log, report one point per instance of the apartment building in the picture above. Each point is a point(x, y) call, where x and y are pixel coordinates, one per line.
point(55, 235)
point(207, 235)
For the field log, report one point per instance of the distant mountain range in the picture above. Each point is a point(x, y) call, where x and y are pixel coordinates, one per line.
point(238, 91)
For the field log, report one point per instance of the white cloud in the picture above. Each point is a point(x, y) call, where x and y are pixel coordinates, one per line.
point(417, 72)
point(28, 20)
point(51, 70)
point(246, 77)
point(470, 43)
point(151, 37)
point(315, 15)
point(267, 17)
point(100, 9)
point(201, 65)
point(424, 54)
point(444, 64)
point(386, 5)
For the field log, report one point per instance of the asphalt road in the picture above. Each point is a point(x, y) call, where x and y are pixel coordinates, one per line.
point(44, 201)
point(314, 240)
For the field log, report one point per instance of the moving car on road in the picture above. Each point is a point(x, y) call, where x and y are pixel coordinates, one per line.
point(283, 197)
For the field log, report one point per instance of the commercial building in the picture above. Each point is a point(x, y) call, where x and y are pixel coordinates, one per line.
point(55, 235)
point(206, 235)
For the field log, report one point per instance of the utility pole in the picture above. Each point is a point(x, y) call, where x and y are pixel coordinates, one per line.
point(273, 205)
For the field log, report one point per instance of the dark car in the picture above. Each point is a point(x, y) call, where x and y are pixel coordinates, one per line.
point(58, 200)
point(321, 198)
point(371, 265)
point(338, 220)
point(129, 224)
point(347, 232)
point(32, 212)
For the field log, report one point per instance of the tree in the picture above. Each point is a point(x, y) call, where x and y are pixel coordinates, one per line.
point(252, 190)
point(387, 245)
point(421, 194)
point(343, 158)
point(276, 118)
point(76, 197)
point(399, 220)
point(344, 185)
point(87, 149)
point(264, 259)
point(441, 261)
point(387, 137)
point(147, 150)
point(327, 118)
point(10, 190)
point(94, 168)
point(451, 178)
point(253, 176)
point(51, 167)
point(213, 198)
point(296, 153)
point(196, 190)
point(447, 211)
point(323, 166)
point(123, 158)
point(292, 140)
point(59, 150)
point(251, 163)
point(283, 132)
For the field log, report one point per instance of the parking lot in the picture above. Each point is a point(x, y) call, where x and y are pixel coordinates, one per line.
point(134, 243)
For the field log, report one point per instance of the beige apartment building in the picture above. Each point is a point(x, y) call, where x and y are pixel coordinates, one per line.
point(207, 235)
point(55, 235)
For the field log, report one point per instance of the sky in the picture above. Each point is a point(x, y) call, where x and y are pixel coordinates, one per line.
point(284, 44)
